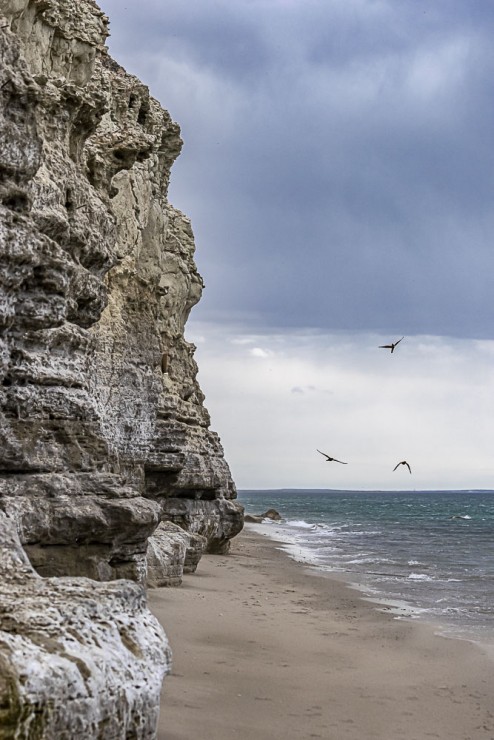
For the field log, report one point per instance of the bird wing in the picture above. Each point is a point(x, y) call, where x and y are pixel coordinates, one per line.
point(399, 340)
point(343, 463)
point(323, 453)
point(385, 346)
point(396, 466)
point(409, 468)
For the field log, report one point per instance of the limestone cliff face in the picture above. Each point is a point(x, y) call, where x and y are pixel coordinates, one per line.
point(103, 430)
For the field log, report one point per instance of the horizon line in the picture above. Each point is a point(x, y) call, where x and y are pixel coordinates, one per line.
point(377, 490)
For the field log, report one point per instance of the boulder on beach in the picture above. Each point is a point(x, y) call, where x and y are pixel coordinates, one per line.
point(258, 518)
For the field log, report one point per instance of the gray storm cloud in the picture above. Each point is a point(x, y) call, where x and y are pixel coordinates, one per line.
point(337, 165)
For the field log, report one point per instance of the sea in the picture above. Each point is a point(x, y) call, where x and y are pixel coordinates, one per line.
point(422, 554)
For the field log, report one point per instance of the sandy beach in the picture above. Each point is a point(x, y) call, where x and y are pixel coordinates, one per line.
point(264, 649)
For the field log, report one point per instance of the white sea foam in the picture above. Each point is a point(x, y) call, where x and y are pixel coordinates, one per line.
point(364, 561)
point(419, 577)
point(301, 554)
point(300, 524)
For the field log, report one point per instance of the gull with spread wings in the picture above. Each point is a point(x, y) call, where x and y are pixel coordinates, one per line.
point(390, 346)
point(331, 459)
point(403, 462)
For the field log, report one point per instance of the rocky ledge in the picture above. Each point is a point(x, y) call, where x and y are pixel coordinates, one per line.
point(103, 429)
point(77, 658)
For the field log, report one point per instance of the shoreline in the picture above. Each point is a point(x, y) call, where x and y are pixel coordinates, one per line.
point(398, 608)
point(265, 648)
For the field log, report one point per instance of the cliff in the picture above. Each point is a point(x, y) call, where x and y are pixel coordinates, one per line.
point(103, 429)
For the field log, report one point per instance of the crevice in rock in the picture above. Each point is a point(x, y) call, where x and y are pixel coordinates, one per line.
point(18, 202)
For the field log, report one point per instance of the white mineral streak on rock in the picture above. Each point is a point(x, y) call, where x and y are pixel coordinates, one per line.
point(103, 431)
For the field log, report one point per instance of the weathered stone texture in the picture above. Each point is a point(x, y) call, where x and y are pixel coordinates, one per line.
point(172, 552)
point(77, 658)
point(103, 431)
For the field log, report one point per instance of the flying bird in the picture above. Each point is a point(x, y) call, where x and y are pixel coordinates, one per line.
point(331, 459)
point(403, 462)
point(390, 346)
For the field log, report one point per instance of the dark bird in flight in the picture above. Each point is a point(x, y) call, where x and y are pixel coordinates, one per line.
point(403, 462)
point(331, 459)
point(390, 346)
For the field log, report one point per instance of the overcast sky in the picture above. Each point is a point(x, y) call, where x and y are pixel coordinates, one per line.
point(338, 169)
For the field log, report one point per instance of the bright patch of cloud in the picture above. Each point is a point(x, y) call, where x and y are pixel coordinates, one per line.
point(431, 402)
point(259, 352)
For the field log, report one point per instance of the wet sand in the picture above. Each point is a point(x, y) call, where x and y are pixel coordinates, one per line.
point(266, 650)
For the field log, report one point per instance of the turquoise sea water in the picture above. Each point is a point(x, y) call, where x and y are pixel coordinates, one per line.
point(430, 551)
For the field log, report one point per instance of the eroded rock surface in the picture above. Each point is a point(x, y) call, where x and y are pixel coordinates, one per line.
point(172, 552)
point(103, 430)
point(77, 658)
